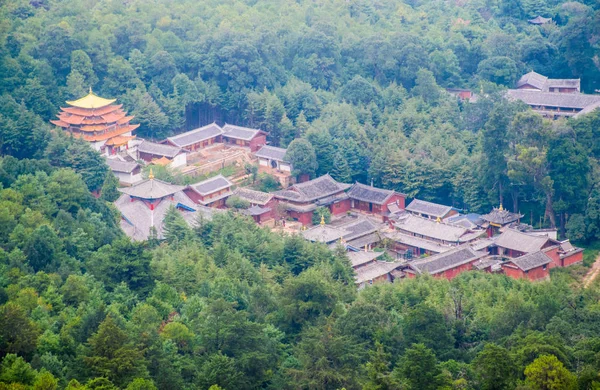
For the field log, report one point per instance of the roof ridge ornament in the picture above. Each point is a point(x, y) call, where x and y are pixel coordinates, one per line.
point(151, 175)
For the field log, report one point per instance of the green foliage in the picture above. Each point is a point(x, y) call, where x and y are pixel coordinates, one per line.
point(321, 213)
point(237, 203)
point(547, 372)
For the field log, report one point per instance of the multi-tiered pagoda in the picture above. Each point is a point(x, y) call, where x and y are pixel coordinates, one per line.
point(99, 121)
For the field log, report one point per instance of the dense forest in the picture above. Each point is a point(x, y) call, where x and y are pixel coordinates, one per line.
point(229, 305)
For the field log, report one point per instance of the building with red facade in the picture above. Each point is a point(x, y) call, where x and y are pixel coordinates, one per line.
point(262, 204)
point(533, 266)
point(100, 122)
point(301, 199)
point(211, 192)
point(244, 136)
point(374, 200)
point(499, 218)
point(445, 265)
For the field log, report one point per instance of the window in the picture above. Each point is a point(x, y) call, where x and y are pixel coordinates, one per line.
point(545, 266)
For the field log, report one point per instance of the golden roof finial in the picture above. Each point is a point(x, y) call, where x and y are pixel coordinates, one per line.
point(151, 175)
point(322, 219)
point(501, 208)
point(91, 90)
point(438, 220)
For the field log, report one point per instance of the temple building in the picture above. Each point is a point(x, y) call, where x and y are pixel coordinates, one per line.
point(144, 205)
point(499, 218)
point(99, 121)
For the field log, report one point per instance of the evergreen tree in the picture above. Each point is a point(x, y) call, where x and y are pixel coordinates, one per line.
point(341, 171)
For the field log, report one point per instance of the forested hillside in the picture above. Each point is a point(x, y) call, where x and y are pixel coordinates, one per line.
point(230, 305)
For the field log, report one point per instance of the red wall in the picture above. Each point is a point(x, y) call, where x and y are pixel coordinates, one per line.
point(199, 199)
point(454, 272)
point(572, 259)
point(257, 142)
point(533, 274)
point(396, 197)
point(340, 207)
point(304, 218)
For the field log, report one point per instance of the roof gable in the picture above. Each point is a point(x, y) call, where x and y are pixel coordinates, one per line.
point(164, 150)
point(428, 208)
point(521, 242)
point(272, 153)
point(197, 135)
point(253, 196)
point(369, 194)
point(447, 260)
point(531, 260)
point(312, 190)
point(239, 132)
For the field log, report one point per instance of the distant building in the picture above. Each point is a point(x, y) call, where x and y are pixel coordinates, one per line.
point(536, 82)
point(447, 265)
point(244, 136)
point(374, 200)
point(430, 210)
point(100, 122)
point(538, 20)
point(273, 157)
point(127, 172)
point(151, 151)
point(462, 94)
point(499, 218)
point(211, 192)
point(144, 205)
point(300, 200)
point(262, 204)
point(196, 139)
point(533, 266)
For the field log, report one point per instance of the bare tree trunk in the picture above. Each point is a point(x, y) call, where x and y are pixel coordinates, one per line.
point(550, 211)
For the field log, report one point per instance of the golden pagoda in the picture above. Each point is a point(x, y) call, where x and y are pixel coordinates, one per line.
point(99, 121)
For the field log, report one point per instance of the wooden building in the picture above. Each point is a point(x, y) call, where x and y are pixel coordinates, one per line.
point(533, 266)
point(244, 136)
point(301, 199)
point(211, 192)
point(151, 151)
point(196, 139)
point(538, 20)
point(374, 200)
point(100, 122)
point(430, 210)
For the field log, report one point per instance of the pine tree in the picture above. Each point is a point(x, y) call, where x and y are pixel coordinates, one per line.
point(341, 170)
point(109, 190)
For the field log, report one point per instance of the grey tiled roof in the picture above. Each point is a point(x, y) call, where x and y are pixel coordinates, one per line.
point(256, 210)
point(368, 239)
point(447, 260)
point(362, 257)
point(486, 263)
point(522, 242)
point(197, 135)
point(369, 194)
point(375, 270)
point(116, 165)
point(151, 189)
point(417, 242)
point(469, 221)
point(539, 20)
point(553, 99)
point(428, 208)
point(138, 218)
point(531, 260)
point(324, 233)
point(272, 153)
point(534, 79)
point(312, 190)
point(435, 230)
point(211, 185)
point(253, 196)
point(239, 132)
point(501, 217)
point(359, 228)
point(159, 149)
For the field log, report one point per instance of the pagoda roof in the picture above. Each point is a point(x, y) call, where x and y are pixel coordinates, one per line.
point(91, 101)
point(94, 112)
point(119, 140)
point(151, 189)
point(501, 216)
point(105, 136)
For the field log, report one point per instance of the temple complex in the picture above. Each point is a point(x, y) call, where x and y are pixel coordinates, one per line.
point(99, 121)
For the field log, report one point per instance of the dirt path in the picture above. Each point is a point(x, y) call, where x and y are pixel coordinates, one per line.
point(592, 273)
